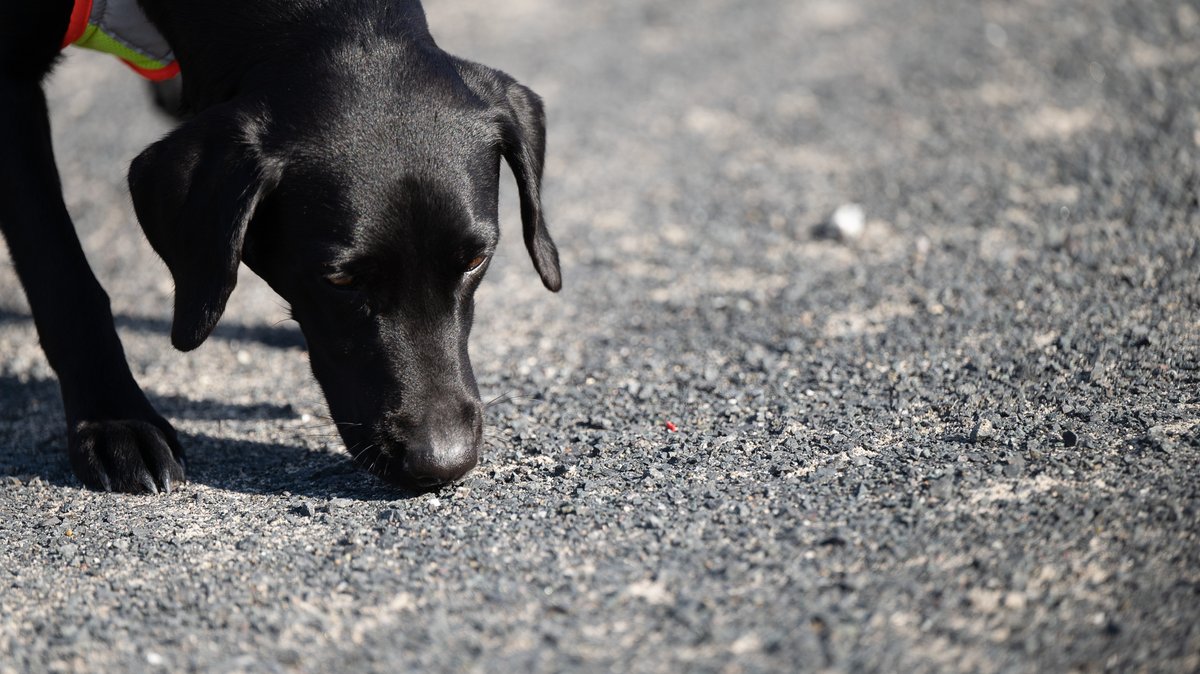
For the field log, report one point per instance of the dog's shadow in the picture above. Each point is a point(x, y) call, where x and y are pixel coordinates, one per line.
point(274, 468)
point(33, 438)
point(33, 441)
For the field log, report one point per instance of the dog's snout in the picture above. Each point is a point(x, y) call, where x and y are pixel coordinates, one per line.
point(441, 447)
point(437, 465)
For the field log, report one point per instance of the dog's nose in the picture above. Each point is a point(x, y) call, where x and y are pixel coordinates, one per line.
point(444, 447)
point(436, 465)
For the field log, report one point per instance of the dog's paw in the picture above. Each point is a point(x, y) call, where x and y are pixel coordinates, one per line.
point(126, 455)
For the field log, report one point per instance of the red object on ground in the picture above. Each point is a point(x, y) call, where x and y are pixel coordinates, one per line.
point(671, 427)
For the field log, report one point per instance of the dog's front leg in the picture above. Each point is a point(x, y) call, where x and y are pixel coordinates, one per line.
point(115, 439)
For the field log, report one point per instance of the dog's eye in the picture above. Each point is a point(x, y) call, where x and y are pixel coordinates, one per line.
point(340, 280)
point(476, 263)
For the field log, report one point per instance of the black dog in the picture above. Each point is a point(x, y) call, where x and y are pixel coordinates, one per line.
point(339, 153)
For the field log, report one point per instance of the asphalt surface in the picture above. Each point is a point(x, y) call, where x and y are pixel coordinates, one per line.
point(962, 438)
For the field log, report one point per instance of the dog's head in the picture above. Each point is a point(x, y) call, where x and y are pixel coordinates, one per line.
point(367, 198)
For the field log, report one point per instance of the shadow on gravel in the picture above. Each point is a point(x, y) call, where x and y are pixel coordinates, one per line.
point(270, 469)
point(32, 440)
point(179, 407)
point(286, 336)
point(31, 430)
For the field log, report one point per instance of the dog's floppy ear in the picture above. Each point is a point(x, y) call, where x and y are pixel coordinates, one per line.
point(195, 192)
point(523, 130)
point(523, 144)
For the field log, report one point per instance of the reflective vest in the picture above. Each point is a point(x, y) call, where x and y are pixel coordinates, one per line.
point(119, 27)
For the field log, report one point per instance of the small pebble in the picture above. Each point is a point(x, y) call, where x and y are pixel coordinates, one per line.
point(849, 221)
point(984, 430)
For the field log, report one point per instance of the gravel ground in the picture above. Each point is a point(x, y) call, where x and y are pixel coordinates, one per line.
point(959, 434)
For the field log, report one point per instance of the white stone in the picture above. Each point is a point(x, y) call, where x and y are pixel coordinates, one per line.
point(849, 220)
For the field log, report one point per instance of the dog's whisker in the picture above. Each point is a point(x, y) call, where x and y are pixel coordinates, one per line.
point(321, 436)
point(309, 427)
point(359, 451)
point(331, 420)
point(502, 398)
point(375, 460)
point(319, 431)
point(510, 397)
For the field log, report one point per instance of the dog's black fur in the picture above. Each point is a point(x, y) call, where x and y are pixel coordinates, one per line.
point(346, 159)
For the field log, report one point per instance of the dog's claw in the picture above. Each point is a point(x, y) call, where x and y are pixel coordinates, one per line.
point(128, 455)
